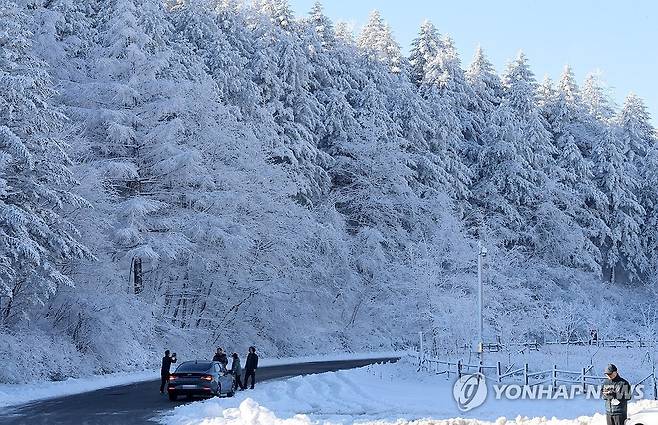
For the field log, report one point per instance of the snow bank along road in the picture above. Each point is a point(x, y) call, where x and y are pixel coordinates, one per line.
point(138, 403)
point(386, 394)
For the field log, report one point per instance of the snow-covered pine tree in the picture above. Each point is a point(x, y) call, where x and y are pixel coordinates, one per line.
point(621, 248)
point(538, 150)
point(487, 96)
point(520, 92)
point(637, 133)
point(344, 33)
point(505, 190)
point(546, 94)
point(649, 201)
point(376, 39)
point(36, 237)
point(279, 12)
point(575, 197)
point(445, 90)
point(596, 98)
point(322, 24)
point(371, 189)
point(445, 75)
point(512, 163)
point(138, 135)
point(487, 93)
point(485, 83)
point(296, 114)
point(371, 34)
point(424, 49)
point(218, 36)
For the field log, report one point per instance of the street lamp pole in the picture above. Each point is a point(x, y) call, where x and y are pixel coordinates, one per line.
point(482, 252)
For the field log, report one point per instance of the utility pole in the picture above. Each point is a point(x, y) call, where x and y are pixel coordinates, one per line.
point(421, 354)
point(482, 252)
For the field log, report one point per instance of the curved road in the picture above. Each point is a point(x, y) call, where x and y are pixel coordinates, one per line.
point(139, 403)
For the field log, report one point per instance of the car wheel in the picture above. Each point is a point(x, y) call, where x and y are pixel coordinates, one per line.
point(173, 397)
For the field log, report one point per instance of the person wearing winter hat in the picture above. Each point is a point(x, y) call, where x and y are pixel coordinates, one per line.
point(616, 393)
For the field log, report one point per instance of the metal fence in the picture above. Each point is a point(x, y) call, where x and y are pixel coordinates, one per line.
point(553, 376)
point(535, 345)
point(500, 374)
point(607, 342)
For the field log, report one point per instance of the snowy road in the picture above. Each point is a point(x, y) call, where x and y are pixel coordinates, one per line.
point(137, 403)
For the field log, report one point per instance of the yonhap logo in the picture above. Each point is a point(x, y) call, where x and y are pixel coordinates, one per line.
point(470, 391)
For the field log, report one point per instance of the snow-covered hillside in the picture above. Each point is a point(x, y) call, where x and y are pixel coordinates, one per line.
point(189, 174)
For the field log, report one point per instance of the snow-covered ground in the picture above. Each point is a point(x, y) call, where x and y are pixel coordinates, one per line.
point(392, 394)
point(14, 394)
point(330, 357)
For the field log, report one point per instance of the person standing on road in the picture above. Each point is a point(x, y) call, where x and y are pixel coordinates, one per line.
point(236, 370)
point(250, 367)
point(616, 393)
point(164, 370)
point(220, 356)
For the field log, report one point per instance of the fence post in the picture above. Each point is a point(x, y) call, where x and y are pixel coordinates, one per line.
point(525, 373)
point(499, 371)
point(584, 382)
point(554, 377)
point(459, 368)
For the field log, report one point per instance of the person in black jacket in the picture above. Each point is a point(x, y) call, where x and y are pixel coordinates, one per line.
point(220, 356)
point(164, 370)
point(250, 367)
point(616, 393)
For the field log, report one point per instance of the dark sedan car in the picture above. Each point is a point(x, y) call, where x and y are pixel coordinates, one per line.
point(201, 378)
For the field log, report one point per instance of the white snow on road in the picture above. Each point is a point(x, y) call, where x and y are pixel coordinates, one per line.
point(378, 395)
point(15, 394)
point(329, 357)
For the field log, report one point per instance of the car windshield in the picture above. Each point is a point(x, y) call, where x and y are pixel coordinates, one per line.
point(194, 367)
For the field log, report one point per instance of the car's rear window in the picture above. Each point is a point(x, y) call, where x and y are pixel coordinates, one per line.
point(194, 367)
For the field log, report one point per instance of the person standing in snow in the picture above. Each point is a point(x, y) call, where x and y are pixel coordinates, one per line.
point(220, 356)
point(164, 370)
point(236, 370)
point(616, 393)
point(250, 367)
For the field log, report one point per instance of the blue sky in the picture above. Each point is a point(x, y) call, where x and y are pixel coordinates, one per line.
point(619, 38)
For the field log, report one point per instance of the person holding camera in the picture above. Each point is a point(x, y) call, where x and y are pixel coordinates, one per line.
point(616, 393)
point(167, 360)
point(220, 356)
